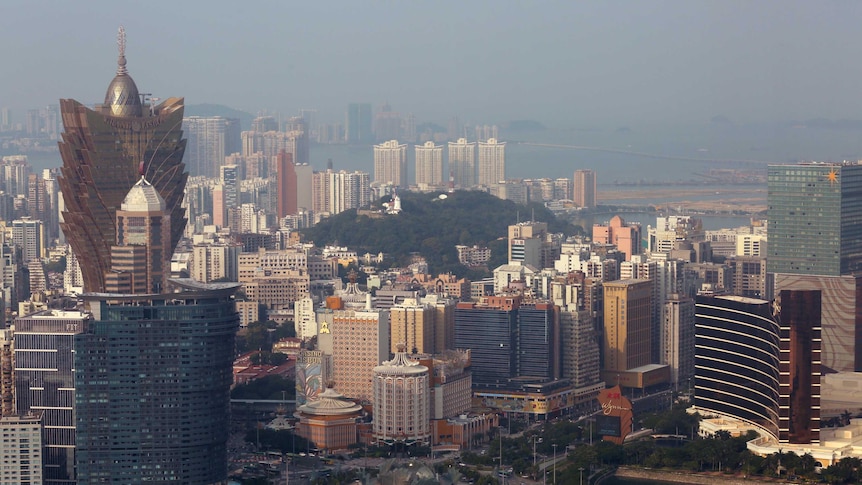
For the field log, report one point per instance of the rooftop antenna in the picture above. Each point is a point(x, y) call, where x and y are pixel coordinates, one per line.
point(121, 46)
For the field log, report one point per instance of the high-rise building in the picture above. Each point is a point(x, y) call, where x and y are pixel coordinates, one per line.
point(360, 342)
point(287, 185)
point(45, 383)
point(584, 188)
point(29, 235)
point(153, 376)
point(492, 162)
point(210, 140)
point(359, 123)
point(21, 449)
point(799, 381)
point(429, 164)
point(102, 151)
point(153, 367)
point(390, 163)
point(412, 324)
point(677, 339)
point(627, 336)
point(462, 163)
point(736, 360)
point(335, 192)
point(304, 186)
point(814, 212)
point(401, 403)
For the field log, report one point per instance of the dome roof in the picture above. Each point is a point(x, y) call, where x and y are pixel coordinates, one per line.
point(122, 97)
point(400, 365)
point(143, 197)
point(330, 403)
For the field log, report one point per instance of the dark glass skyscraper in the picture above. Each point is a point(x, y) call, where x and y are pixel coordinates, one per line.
point(737, 359)
point(154, 375)
point(102, 152)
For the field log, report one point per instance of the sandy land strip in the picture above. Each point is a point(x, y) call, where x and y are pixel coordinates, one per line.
point(723, 200)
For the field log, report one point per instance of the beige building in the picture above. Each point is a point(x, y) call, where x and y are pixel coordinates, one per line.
point(627, 335)
point(329, 421)
point(584, 188)
point(401, 401)
point(390, 163)
point(429, 164)
point(278, 292)
point(214, 262)
point(462, 163)
point(492, 162)
point(249, 312)
point(21, 449)
point(360, 342)
point(412, 324)
point(271, 263)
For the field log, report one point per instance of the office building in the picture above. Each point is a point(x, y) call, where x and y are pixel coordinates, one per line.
point(462, 163)
point(584, 188)
point(429, 164)
point(737, 360)
point(627, 336)
point(401, 402)
point(492, 162)
point(358, 125)
point(45, 384)
point(287, 185)
point(98, 171)
point(21, 450)
point(390, 163)
point(815, 218)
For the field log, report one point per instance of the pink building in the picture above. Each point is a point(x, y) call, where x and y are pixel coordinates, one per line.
point(627, 238)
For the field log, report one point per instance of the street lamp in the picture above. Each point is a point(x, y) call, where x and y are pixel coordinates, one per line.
point(581, 472)
point(555, 463)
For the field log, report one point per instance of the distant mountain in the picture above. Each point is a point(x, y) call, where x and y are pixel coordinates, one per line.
point(432, 226)
point(220, 110)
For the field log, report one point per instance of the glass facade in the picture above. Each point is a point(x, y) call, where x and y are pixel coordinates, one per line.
point(737, 359)
point(815, 218)
point(153, 378)
point(489, 333)
point(45, 383)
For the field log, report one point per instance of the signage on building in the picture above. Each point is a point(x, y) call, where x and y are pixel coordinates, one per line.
point(615, 421)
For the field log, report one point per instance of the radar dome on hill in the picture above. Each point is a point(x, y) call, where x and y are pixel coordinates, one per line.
point(442, 196)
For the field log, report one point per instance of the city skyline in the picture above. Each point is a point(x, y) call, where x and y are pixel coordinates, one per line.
point(732, 60)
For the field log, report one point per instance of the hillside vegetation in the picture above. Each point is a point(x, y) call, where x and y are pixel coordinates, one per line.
point(432, 227)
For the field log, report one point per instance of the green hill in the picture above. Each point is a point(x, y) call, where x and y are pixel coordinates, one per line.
point(432, 227)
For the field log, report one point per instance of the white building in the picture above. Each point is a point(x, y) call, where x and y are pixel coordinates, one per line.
point(429, 164)
point(492, 162)
point(390, 163)
point(21, 449)
point(401, 401)
point(462, 163)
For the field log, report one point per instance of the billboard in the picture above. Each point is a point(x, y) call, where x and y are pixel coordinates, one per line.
point(616, 415)
point(608, 425)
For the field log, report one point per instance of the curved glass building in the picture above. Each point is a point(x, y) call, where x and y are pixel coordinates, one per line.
point(104, 151)
point(153, 376)
point(737, 359)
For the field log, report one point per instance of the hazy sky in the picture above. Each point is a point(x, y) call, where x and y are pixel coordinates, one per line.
point(565, 63)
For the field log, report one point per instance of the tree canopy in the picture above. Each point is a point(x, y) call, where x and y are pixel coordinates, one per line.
point(432, 226)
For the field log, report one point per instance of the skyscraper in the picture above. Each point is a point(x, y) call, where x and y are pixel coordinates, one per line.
point(429, 164)
point(462, 163)
point(627, 337)
point(153, 366)
point(359, 123)
point(585, 188)
point(210, 140)
point(390, 163)
point(815, 218)
point(102, 151)
point(286, 175)
point(45, 382)
point(492, 162)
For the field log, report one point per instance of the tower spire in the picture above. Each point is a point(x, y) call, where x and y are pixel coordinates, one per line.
point(121, 46)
